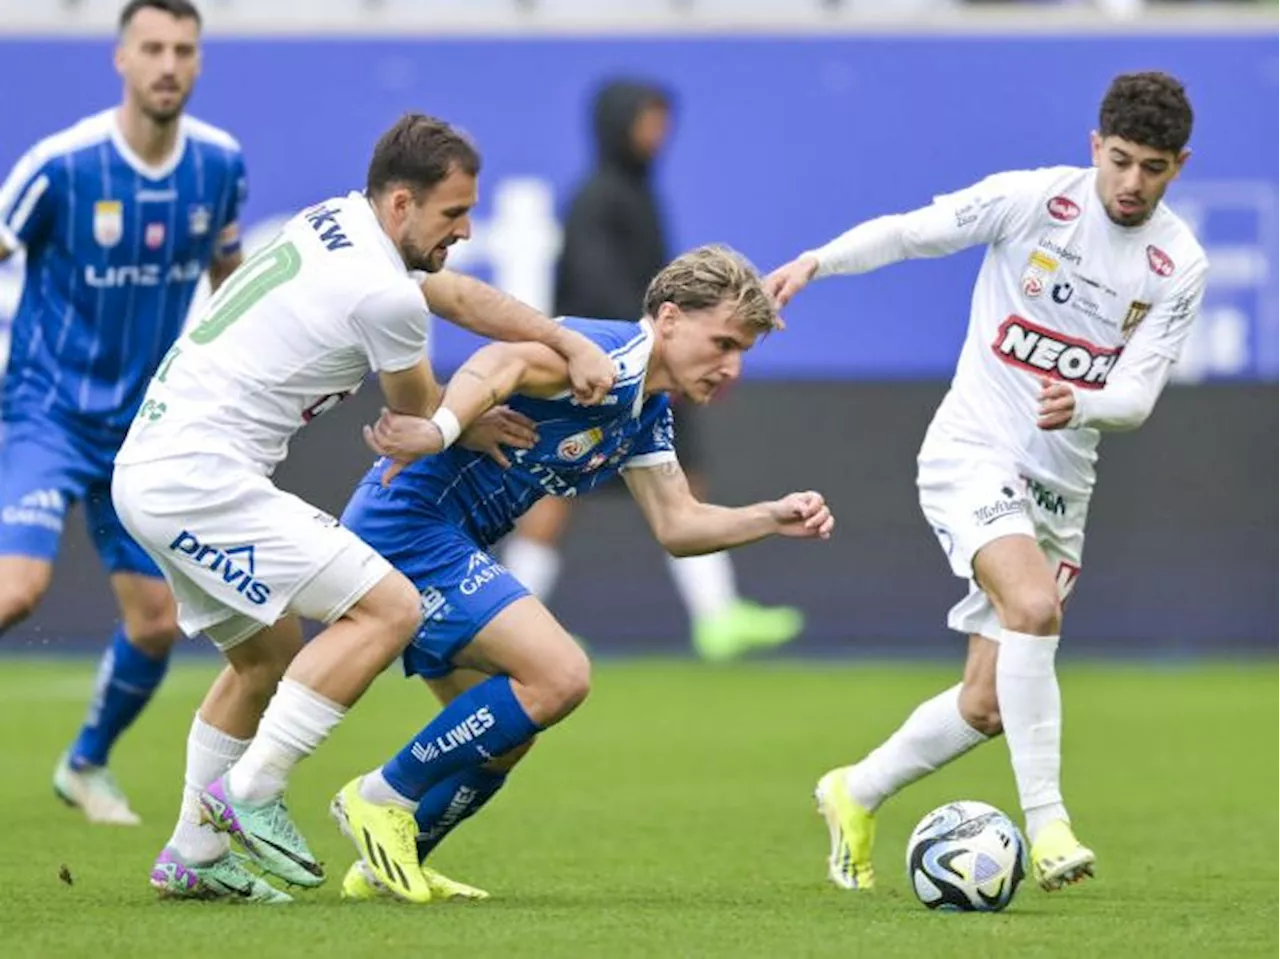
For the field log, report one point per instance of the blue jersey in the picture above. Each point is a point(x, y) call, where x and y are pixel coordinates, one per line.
point(578, 448)
point(114, 251)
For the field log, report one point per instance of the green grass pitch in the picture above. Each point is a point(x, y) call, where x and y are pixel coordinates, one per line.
point(671, 816)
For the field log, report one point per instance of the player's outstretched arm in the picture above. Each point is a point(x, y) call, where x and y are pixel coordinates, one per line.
point(488, 378)
point(981, 213)
point(686, 527)
point(480, 308)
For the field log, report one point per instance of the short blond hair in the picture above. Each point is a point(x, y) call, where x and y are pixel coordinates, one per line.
point(708, 276)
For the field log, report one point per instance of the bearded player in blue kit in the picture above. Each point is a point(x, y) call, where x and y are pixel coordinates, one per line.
point(501, 665)
point(119, 216)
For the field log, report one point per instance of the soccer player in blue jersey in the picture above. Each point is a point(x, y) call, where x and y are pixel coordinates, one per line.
point(119, 216)
point(491, 653)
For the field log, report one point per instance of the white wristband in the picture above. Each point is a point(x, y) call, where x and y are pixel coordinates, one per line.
point(448, 425)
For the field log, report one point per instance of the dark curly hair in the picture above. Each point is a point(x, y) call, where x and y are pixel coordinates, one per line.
point(1150, 109)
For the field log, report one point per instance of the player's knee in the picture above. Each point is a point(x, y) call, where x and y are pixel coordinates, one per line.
point(22, 585)
point(397, 608)
point(259, 676)
point(980, 708)
point(1037, 612)
point(259, 680)
point(404, 613)
point(156, 639)
point(567, 685)
point(18, 600)
point(154, 631)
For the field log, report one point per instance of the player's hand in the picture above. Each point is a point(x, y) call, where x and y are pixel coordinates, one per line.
point(402, 439)
point(1057, 404)
point(499, 427)
point(591, 371)
point(803, 515)
point(789, 279)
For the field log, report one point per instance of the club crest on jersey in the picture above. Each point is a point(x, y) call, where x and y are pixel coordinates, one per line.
point(1027, 346)
point(1137, 313)
point(1063, 208)
point(108, 222)
point(198, 219)
point(153, 236)
point(573, 448)
point(1159, 261)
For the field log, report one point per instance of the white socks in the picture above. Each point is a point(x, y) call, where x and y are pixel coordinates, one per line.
point(296, 722)
point(705, 583)
point(375, 788)
point(933, 735)
point(1031, 711)
point(210, 753)
point(535, 564)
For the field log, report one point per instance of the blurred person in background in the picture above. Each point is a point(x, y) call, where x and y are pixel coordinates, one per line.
point(119, 215)
point(614, 244)
point(1081, 308)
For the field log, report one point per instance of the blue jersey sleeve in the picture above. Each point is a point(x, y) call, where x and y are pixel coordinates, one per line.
point(657, 440)
point(612, 336)
point(628, 344)
point(228, 242)
point(28, 201)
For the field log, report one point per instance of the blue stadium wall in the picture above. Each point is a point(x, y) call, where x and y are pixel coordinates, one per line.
point(779, 145)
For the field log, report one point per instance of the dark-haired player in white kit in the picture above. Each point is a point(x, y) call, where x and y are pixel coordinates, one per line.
point(342, 291)
point(1080, 310)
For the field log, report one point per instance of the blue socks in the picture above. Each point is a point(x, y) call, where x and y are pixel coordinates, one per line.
point(448, 803)
point(127, 678)
point(481, 724)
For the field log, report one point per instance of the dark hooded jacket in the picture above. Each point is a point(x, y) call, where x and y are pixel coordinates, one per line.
point(613, 237)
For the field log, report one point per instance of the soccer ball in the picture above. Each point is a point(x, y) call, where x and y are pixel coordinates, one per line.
point(966, 856)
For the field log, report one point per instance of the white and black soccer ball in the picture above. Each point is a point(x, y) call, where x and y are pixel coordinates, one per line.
point(966, 856)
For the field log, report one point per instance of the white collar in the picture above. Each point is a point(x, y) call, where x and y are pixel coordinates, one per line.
point(140, 166)
point(365, 205)
point(651, 337)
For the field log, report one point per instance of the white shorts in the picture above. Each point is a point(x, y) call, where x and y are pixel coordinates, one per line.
point(971, 496)
point(238, 552)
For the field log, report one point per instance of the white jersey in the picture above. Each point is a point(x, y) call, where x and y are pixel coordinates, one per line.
point(291, 333)
point(1062, 292)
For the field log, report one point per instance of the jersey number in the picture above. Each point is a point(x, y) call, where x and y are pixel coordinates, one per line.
point(257, 277)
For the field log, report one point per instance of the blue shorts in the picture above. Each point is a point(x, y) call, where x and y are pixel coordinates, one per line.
point(462, 586)
point(44, 469)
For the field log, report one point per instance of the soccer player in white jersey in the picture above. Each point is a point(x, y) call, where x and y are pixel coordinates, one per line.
point(1089, 286)
point(119, 215)
point(343, 290)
